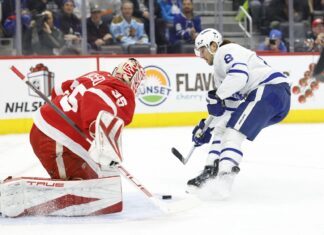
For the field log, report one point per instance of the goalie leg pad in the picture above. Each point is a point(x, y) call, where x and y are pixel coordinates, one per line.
point(40, 196)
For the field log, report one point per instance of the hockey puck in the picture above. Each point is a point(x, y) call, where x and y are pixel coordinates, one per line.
point(166, 197)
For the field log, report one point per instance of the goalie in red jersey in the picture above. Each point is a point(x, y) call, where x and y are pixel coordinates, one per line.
point(83, 176)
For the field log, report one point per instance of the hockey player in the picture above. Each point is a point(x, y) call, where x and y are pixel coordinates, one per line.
point(250, 96)
point(81, 185)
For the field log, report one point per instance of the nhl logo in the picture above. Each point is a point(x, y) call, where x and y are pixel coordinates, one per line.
point(42, 79)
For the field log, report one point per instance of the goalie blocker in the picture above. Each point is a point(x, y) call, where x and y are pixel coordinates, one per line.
point(40, 196)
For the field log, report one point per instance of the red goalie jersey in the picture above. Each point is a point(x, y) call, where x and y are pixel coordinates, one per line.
point(81, 100)
point(62, 151)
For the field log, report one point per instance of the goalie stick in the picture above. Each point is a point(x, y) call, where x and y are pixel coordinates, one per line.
point(178, 155)
point(166, 208)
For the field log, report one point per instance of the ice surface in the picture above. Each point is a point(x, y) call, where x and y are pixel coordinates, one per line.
point(280, 189)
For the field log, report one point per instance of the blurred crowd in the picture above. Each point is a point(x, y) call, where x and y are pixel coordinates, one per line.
point(271, 19)
point(53, 27)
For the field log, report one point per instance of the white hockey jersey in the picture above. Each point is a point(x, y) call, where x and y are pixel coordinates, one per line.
point(238, 71)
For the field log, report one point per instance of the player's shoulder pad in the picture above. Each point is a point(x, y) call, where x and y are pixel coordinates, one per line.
point(117, 19)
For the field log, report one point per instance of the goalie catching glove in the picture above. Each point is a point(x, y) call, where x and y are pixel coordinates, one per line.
point(200, 138)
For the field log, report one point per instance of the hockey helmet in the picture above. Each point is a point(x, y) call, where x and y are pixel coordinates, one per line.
point(205, 38)
point(131, 72)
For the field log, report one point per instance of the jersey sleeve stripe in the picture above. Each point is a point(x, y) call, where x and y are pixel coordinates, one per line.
point(105, 98)
point(233, 65)
point(238, 71)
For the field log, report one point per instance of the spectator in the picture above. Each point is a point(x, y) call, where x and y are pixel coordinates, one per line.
point(186, 26)
point(317, 28)
point(98, 30)
point(50, 38)
point(8, 8)
point(277, 11)
point(126, 29)
point(141, 11)
point(273, 43)
point(29, 31)
point(313, 39)
point(169, 8)
point(109, 9)
point(52, 6)
point(70, 25)
point(160, 25)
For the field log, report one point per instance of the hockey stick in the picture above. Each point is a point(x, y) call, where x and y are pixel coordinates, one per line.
point(178, 155)
point(170, 208)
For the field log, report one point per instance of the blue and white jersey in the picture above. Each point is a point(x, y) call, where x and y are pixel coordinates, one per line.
point(238, 71)
point(120, 30)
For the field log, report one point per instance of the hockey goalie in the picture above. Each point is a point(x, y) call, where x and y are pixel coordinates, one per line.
point(83, 178)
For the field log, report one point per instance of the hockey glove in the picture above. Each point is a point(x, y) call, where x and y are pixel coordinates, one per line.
point(215, 105)
point(200, 138)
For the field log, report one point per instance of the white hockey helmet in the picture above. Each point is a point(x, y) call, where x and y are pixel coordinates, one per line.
point(131, 72)
point(205, 38)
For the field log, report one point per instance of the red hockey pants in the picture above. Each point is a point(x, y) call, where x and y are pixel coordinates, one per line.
point(59, 161)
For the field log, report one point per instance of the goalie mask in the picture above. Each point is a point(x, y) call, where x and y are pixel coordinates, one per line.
point(205, 38)
point(130, 72)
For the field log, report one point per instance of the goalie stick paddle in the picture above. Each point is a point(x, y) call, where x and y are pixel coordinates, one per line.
point(178, 155)
point(166, 208)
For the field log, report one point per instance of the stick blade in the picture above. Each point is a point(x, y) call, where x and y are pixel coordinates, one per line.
point(178, 155)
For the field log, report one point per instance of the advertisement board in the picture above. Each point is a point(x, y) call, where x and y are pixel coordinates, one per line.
point(173, 94)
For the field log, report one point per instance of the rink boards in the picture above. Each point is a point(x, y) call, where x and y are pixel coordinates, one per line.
point(174, 94)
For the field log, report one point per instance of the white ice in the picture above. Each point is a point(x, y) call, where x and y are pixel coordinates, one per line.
point(280, 189)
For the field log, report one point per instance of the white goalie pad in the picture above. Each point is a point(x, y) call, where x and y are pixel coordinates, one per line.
point(107, 146)
point(40, 196)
